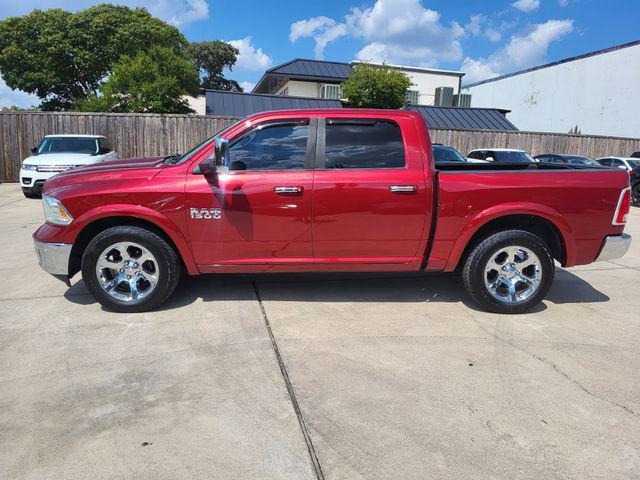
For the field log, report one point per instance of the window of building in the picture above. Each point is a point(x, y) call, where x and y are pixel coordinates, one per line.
point(366, 143)
point(330, 91)
point(271, 147)
point(284, 92)
point(413, 97)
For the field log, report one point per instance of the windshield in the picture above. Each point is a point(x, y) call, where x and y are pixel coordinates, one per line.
point(68, 145)
point(447, 154)
point(186, 156)
point(577, 160)
point(634, 163)
point(512, 157)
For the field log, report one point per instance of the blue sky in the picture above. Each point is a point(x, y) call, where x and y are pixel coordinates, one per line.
point(481, 38)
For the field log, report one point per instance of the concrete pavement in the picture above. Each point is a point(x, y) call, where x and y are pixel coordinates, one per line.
point(395, 376)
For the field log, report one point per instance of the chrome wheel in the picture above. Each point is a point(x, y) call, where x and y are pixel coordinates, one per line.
point(513, 274)
point(127, 271)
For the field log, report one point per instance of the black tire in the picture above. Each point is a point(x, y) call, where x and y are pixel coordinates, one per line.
point(29, 194)
point(168, 267)
point(474, 270)
point(635, 195)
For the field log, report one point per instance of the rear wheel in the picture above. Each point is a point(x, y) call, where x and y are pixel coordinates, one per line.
point(509, 271)
point(130, 269)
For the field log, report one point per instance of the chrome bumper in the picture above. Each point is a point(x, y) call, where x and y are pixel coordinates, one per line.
point(54, 257)
point(614, 246)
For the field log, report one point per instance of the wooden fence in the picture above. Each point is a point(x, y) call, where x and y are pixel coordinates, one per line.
point(136, 135)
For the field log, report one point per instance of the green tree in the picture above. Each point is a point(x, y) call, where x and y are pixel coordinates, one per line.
point(211, 58)
point(153, 82)
point(63, 57)
point(575, 130)
point(376, 86)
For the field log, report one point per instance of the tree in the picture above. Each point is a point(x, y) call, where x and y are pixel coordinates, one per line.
point(211, 58)
point(153, 82)
point(63, 57)
point(575, 131)
point(376, 86)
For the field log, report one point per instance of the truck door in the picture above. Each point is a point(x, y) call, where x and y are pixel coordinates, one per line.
point(260, 211)
point(371, 201)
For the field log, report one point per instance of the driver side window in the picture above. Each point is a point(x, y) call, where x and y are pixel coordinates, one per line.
point(271, 147)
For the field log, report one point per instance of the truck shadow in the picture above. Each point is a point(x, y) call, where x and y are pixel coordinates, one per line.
point(348, 288)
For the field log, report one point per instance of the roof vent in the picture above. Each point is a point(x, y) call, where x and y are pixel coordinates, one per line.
point(444, 97)
point(462, 100)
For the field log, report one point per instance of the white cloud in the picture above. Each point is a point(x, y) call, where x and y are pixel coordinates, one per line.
point(404, 31)
point(396, 31)
point(526, 5)
point(322, 29)
point(177, 12)
point(247, 86)
point(521, 52)
point(477, 26)
point(9, 98)
point(250, 57)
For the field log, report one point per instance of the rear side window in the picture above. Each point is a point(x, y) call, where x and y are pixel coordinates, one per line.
point(363, 143)
point(478, 155)
point(271, 147)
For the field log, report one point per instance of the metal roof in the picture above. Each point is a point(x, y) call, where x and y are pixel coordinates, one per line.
point(460, 118)
point(300, 67)
point(559, 62)
point(239, 104)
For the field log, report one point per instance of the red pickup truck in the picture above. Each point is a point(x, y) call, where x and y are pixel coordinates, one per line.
point(327, 190)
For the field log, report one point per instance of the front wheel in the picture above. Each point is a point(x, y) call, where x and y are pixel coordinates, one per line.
point(509, 271)
point(130, 269)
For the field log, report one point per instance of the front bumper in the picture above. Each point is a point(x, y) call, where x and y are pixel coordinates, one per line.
point(614, 246)
point(54, 257)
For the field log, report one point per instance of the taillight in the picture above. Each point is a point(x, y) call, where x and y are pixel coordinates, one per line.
point(624, 205)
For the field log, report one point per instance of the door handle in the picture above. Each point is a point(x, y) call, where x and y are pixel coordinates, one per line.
point(288, 190)
point(403, 188)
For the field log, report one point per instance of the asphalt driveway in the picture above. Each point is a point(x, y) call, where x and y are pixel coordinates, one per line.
point(307, 376)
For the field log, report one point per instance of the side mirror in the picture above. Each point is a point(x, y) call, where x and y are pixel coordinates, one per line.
point(622, 167)
point(34, 150)
point(104, 150)
point(489, 159)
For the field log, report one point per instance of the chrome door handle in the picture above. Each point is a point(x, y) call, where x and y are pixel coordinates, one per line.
point(403, 188)
point(288, 190)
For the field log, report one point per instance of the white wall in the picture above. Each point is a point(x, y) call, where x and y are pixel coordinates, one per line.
point(427, 82)
point(599, 94)
point(199, 104)
point(301, 89)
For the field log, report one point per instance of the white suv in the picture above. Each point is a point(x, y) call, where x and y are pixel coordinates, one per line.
point(57, 153)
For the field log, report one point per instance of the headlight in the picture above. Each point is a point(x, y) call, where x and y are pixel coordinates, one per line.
point(26, 166)
point(54, 211)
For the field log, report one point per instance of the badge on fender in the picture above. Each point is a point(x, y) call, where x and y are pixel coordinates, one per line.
point(206, 213)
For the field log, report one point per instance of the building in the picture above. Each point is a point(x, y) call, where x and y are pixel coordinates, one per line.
point(240, 104)
point(598, 92)
point(322, 79)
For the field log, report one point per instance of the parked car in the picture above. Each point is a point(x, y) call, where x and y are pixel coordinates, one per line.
point(632, 166)
point(499, 155)
point(566, 159)
point(635, 154)
point(326, 190)
point(444, 153)
point(57, 153)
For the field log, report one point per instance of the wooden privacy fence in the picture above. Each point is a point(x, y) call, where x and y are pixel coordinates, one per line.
point(137, 135)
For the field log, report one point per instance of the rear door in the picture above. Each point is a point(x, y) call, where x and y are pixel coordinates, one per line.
point(371, 200)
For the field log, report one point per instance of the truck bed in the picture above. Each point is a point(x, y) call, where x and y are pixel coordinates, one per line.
point(581, 200)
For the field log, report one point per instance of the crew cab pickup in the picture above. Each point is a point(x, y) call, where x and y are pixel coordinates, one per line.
point(327, 190)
